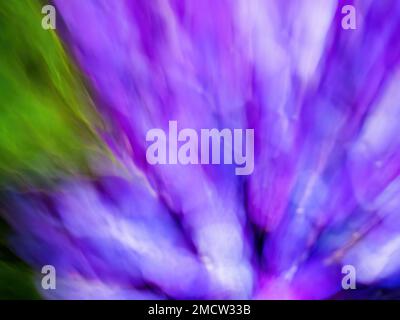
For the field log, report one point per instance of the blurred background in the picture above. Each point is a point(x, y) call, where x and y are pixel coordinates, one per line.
point(318, 81)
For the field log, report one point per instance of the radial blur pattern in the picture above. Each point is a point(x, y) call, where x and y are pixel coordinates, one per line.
point(76, 190)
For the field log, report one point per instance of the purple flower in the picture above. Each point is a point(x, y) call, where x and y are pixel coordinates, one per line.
point(324, 106)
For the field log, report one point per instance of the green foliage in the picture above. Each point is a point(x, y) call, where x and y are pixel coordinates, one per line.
point(45, 110)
